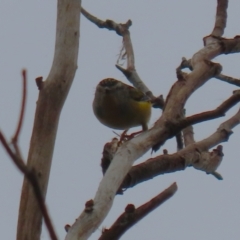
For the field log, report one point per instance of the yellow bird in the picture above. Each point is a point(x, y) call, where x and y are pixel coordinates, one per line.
point(120, 106)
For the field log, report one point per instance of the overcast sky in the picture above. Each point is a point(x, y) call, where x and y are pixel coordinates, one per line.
point(162, 33)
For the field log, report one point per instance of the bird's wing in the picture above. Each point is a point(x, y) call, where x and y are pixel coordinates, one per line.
point(137, 95)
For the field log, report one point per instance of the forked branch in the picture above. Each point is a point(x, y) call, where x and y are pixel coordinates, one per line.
point(191, 155)
point(209, 115)
point(130, 72)
point(30, 174)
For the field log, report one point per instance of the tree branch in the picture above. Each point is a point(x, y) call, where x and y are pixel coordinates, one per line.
point(189, 139)
point(23, 106)
point(228, 79)
point(230, 46)
point(188, 135)
point(20, 120)
point(31, 177)
point(128, 152)
point(176, 162)
point(52, 96)
point(191, 155)
point(221, 18)
point(187, 64)
point(127, 50)
point(131, 215)
point(179, 140)
point(108, 24)
point(209, 115)
point(18, 161)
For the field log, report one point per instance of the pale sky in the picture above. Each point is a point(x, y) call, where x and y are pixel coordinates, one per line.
point(162, 33)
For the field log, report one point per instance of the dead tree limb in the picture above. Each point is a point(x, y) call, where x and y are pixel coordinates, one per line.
point(133, 215)
point(16, 157)
point(51, 98)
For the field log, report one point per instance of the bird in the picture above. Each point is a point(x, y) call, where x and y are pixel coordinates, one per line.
point(120, 106)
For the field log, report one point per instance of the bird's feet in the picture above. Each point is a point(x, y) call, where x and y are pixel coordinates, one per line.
point(125, 137)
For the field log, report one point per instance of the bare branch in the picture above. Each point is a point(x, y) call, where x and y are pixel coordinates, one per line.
point(207, 161)
point(23, 106)
point(231, 45)
point(127, 43)
point(17, 159)
point(18, 162)
point(109, 151)
point(189, 139)
point(153, 167)
point(189, 156)
point(228, 46)
point(218, 112)
point(184, 64)
point(51, 98)
point(179, 140)
point(108, 24)
point(187, 64)
point(228, 79)
point(130, 73)
point(135, 79)
point(121, 29)
point(180, 92)
point(221, 18)
point(31, 176)
point(131, 215)
point(188, 135)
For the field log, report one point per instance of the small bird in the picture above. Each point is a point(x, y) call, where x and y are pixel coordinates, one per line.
point(120, 106)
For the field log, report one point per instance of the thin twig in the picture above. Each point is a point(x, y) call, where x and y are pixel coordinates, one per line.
point(209, 115)
point(137, 82)
point(31, 176)
point(228, 79)
point(23, 107)
point(93, 19)
point(15, 158)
